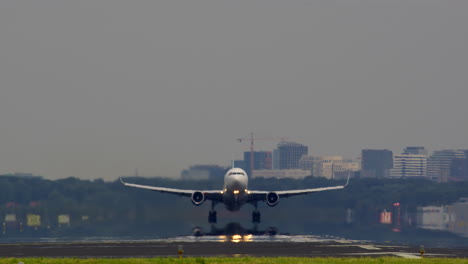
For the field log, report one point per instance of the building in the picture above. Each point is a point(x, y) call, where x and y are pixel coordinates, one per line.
point(334, 167)
point(324, 165)
point(240, 164)
point(452, 218)
point(376, 163)
point(458, 213)
point(276, 159)
point(459, 170)
point(263, 160)
point(408, 166)
point(439, 163)
point(415, 151)
point(289, 154)
point(433, 217)
point(281, 174)
point(307, 163)
point(341, 170)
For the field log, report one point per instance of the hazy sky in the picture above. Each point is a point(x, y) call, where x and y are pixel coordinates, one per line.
point(96, 89)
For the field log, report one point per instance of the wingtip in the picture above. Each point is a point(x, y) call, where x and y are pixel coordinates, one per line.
point(347, 181)
point(121, 180)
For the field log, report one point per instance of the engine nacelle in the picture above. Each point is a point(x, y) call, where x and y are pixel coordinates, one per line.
point(272, 198)
point(198, 198)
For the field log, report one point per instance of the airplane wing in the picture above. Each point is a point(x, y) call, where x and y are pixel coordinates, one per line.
point(262, 195)
point(209, 195)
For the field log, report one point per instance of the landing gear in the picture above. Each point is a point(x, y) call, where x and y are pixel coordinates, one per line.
point(256, 215)
point(212, 215)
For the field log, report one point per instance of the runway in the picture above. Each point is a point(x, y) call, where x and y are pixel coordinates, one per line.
point(230, 248)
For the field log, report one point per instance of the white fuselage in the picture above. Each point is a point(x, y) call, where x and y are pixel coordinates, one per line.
point(235, 189)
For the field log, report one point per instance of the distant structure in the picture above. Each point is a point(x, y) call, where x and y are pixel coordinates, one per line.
point(276, 159)
point(23, 175)
point(433, 217)
point(251, 162)
point(459, 170)
point(240, 164)
point(281, 174)
point(289, 154)
point(262, 161)
point(458, 213)
point(412, 163)
point(333, 167)
point(452, 218)
point(307, 163)
point(203, 172)
point(415, 151)
point(440, 162)
point(376, 163)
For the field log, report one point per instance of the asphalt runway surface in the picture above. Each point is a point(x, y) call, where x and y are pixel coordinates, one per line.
point(230, 249)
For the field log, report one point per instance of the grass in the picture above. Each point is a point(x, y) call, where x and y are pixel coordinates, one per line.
point(222, 260)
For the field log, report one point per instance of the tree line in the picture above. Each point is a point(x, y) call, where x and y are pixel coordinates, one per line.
point(97, 207)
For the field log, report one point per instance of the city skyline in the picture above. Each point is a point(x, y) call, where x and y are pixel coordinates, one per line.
point(412, 161)
point(98, 89)
point(246, 160)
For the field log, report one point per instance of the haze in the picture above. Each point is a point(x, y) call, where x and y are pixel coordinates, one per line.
point(97, 89)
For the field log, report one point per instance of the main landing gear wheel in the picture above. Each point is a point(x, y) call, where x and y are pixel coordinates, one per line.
point(212, 214)
point(255, 217)
point(212, 217)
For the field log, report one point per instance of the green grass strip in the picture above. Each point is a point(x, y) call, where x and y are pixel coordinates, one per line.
point(222, 260)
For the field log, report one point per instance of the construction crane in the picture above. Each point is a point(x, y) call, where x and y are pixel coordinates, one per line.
point(252, 139)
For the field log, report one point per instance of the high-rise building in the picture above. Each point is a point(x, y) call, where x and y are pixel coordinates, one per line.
point(290, 153)
point(276, 159)
point(438, 164)
point(262, 160)
point(240, 164)
point(409, 165)
point(376, 163)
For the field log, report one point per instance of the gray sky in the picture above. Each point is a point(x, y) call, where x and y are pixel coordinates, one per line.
point(95, 89)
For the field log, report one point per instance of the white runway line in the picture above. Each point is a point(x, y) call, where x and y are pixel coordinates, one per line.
point(369, 247)
point(397, 254)
point(402, 254)
point(407, 255)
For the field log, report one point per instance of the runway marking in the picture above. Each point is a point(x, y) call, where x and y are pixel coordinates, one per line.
point(398, 254)
point(369, 247)
point(407, 255)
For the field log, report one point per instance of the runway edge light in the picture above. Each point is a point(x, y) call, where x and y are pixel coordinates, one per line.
point(180, 251)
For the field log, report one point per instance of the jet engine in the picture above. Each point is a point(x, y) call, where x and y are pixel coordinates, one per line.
point(198, 198)
point(272, 198)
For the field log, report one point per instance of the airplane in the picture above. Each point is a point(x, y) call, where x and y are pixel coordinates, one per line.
point(234, 194)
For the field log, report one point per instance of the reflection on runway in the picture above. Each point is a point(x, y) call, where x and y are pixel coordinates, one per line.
point(235, 229)
point(235, 232)
point(231, 240)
